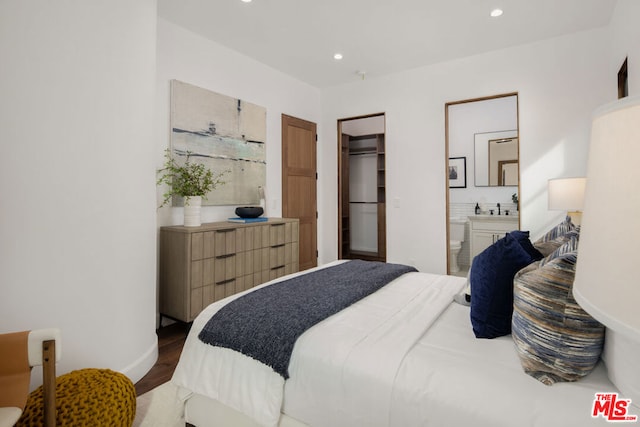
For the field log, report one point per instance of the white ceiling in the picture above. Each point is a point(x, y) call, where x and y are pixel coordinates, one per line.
point(299, 37)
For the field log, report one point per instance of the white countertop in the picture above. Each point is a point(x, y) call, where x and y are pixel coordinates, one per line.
point(487, 217)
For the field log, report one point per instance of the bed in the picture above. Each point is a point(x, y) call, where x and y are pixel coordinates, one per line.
point(403, 356)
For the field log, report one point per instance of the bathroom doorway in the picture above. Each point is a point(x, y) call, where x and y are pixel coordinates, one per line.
point(361, 188)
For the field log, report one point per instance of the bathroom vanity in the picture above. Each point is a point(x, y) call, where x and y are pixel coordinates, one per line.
point(487, 229)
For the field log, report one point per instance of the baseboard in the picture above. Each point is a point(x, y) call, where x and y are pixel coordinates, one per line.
point(140, 367)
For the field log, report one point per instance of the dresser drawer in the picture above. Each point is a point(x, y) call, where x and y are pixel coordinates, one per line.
point(277, 256)
point(200, 265)
point(277, 234)
point(225, 242)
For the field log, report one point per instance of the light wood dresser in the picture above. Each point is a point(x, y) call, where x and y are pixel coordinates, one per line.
point(200, 265)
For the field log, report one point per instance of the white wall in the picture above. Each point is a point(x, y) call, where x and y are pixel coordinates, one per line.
point(77, 217)
point(559, 82)
point(185, 56)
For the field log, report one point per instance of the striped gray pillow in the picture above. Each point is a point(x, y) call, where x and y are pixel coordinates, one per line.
point(571, 245)
point(555, 338)
point(557, 237)
point(559, 230)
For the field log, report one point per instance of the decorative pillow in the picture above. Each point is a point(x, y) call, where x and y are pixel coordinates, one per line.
point(491, 279)
point(556, 340)
point(556, 237)
point(464, 297)
point(547, 248)
point(559, 230)
point(569, 246)
point(523, 238)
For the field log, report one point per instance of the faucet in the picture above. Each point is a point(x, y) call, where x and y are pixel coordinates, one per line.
point(498, 208)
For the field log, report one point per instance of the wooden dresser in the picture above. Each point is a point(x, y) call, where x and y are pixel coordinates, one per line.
point(200, 265)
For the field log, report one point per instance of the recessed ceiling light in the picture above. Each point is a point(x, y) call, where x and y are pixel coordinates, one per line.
point(337, 56)
point(496, 12)
point(246, 1)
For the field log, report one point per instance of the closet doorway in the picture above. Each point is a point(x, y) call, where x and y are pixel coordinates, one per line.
point(361, 188)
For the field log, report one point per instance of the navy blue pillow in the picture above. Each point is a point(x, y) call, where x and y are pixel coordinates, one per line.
point(491, 279)
point(523, 238)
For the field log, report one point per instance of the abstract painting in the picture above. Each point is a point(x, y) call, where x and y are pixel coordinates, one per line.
point(225, 134)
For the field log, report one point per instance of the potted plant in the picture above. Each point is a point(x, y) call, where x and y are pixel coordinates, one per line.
point(191, 181)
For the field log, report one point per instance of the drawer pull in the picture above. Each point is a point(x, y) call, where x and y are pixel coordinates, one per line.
point(224, 282)
point(225, 256)
point(278, 267)
point(228, 230)
point(278, 246)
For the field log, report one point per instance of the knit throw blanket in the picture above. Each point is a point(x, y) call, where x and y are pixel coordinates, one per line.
point(264, 324)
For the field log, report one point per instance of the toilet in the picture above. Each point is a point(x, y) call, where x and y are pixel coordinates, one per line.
point(456, 236)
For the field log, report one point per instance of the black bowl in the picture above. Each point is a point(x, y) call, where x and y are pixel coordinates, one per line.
point(249, 211)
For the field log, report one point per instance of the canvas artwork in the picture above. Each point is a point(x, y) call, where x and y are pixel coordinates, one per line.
point(224, 133)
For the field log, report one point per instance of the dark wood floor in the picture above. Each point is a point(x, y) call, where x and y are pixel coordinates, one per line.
point(170, 342)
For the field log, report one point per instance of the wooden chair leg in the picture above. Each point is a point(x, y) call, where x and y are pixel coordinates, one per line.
point(49, 382)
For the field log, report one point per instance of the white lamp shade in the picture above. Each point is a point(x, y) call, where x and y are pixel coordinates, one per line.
point(606, 283)
point(566, 194)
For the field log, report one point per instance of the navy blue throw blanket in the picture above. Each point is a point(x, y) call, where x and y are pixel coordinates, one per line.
point(265, 324)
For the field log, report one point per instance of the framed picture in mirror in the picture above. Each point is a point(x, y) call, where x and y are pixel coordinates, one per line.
point(457, 172)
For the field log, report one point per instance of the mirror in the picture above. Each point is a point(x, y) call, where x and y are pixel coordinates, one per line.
point(496, 158)
point(482, 139)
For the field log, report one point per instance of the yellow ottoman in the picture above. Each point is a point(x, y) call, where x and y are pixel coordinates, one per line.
point(87, 397)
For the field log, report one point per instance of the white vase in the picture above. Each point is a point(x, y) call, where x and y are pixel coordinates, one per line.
point(192, 206)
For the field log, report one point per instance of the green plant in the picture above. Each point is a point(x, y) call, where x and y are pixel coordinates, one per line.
point(514, 198)
point(190, 179)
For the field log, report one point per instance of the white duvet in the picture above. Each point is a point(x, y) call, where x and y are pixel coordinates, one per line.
point(403, 356)
point(349, 364)
point(350, 359)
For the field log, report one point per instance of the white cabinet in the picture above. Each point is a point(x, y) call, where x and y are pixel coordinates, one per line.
point(487, 229)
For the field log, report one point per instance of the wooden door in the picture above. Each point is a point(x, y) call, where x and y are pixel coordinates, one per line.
point(299, 180)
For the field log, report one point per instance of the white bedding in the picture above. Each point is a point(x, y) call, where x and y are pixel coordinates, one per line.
point(350, 362)
point(229, 377)
point(450, 378)
point(403, 356)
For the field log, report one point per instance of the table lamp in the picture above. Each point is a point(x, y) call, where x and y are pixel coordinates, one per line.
point(606, 283)
point(567, 194)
